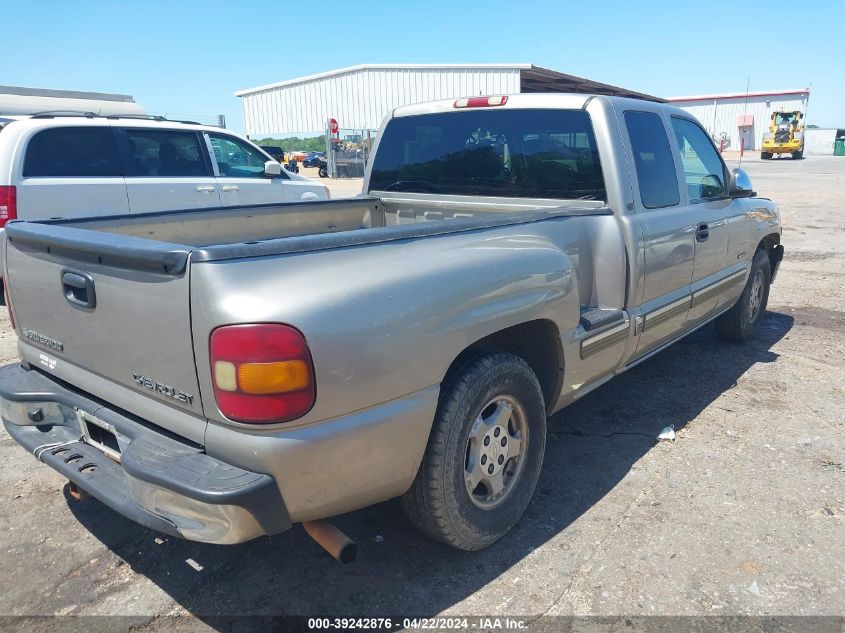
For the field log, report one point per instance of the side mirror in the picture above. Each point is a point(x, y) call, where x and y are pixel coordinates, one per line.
point(272, 168)
point(741, 185)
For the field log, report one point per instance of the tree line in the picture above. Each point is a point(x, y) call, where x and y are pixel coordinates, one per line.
point(294, 143)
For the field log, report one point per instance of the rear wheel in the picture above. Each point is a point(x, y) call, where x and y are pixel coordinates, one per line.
point(484, 454)
point(742, 321)
point(798, 154)
point(765, 155)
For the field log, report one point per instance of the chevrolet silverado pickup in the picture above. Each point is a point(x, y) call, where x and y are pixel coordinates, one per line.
point(222, 374)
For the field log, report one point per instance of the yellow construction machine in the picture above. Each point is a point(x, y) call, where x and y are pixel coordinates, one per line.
point(785, 135)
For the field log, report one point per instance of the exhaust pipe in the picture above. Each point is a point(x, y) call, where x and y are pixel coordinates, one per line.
point(335, 542)
point(76, 492)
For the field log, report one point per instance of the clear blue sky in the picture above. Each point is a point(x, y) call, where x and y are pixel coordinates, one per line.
point(188, 57)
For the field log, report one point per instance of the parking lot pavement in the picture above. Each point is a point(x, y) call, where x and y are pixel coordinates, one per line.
point(339, 187)
point(744, 513)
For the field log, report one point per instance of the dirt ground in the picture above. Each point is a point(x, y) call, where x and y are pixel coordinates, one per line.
point(744, 514)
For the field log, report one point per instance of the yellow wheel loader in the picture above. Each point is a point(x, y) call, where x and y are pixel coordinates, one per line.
point(785, 135)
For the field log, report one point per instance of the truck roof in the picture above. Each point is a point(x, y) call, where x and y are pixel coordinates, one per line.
point(552, 100)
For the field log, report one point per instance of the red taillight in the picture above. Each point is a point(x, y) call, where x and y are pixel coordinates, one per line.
point(481, 102)
point(8, 204)
point(8, 302)
point(262, 372)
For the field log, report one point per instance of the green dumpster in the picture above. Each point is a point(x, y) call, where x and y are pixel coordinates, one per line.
point(839, 147)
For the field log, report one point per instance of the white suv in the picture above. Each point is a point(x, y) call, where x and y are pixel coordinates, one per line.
point(69, 165)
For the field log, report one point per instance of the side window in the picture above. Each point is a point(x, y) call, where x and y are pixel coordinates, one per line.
point(653, 160)
point(165, 153)
point(236, 158)
point(72, 152)
point(704, 171)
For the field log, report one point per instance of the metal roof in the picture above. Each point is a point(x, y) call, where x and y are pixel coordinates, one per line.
point(350, 69)
point(538, 79)
point(533, 79)
point(741, 95)
point(64, 94)
point(17, 100)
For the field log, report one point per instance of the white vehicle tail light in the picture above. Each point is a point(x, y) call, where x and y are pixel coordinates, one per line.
point(8, 204)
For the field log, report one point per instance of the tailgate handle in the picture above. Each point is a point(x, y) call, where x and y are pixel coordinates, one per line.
point(79, 289)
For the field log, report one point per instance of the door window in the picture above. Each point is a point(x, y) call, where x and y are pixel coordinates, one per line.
point(165, 153)
point(72, 152)
point(236, 158)
point(655, 166)
point(704, 171)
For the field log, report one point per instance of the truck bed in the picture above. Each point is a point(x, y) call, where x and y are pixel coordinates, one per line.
point(165, 239)
point(228, 225)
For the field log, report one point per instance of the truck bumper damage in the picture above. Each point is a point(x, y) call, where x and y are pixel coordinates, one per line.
point(138, 470)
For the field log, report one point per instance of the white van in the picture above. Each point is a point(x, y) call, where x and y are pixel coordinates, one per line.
point(75, 165)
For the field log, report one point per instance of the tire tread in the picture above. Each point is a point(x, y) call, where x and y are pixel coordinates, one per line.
point(730, 325)
point(423, 503)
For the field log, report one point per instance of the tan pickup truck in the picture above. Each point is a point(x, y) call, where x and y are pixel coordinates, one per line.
point(219, 375)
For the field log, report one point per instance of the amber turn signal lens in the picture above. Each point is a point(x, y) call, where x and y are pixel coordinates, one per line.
point(262, 372)
point(281, 377)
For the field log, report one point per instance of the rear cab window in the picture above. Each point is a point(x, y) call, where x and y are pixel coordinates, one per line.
point(509, 153)
point(653, 161)
point(84, 151)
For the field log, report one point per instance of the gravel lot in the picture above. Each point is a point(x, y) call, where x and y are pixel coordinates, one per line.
point(339, 187)
point(744, 514)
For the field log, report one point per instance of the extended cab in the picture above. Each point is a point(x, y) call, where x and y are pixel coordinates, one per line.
point(222, 374)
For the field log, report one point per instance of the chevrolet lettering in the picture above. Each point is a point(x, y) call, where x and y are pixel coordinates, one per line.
point(165, 390)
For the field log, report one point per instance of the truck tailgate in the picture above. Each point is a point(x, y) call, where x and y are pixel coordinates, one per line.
point(110, 314)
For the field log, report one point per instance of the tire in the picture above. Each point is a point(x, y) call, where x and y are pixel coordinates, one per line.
point(797, 155)
point(492, 394)
point(765, 155)
point(323, 172)
point(742, 321)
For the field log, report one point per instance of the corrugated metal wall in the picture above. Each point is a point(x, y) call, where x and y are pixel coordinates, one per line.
point(28, 104)
point(362, 97)
point(722, 115)
point(820, 141)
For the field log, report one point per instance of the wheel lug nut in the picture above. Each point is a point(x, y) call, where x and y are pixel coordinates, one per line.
point(501, 459)
point(483, 459)
point(497, 431)
point(490, 469)
point(487, 441)
point(504, 440)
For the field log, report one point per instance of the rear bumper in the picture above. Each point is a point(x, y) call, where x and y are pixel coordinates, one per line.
point(161, 482)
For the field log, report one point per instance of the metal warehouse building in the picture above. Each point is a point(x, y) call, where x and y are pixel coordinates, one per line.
point(741, 119)
point(15, 100)
point(360, 96)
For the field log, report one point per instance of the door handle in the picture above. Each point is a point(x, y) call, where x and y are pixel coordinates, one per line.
point(702, 232)
point(231, 188)
point(78, 289)
point(205, 188)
